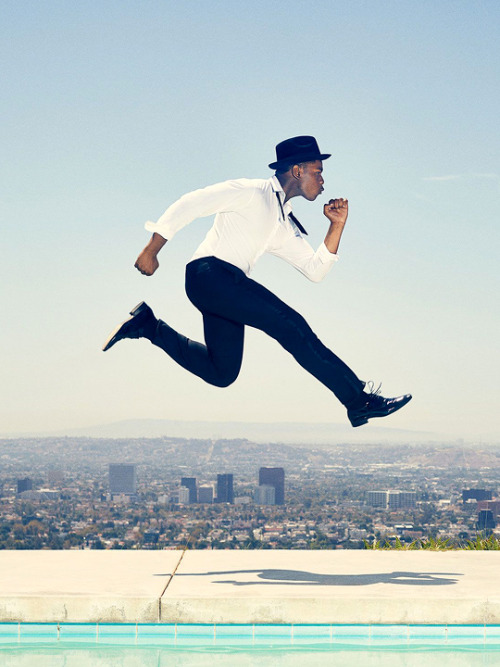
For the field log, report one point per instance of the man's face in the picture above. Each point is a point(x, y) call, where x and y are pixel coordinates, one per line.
point(311, 179)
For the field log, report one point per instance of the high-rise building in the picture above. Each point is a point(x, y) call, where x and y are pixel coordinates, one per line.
point(190, 483)
point(392, 499)
point(407, 499)
point(274, 477)
point(475, 494)
point(225, 492)
point(205, 494)
point(184, 495)
point(485, 520)
point(377, 498)
point(25, 484)
point(122, 479)
point(493, 505)
point(265, 494)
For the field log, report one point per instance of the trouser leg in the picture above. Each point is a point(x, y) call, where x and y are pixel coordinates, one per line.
point(218, 362)
point(221, 289)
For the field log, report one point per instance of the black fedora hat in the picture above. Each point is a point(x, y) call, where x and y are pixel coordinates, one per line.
point(297, 149)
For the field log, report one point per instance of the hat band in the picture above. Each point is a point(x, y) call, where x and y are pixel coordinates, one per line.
point(298, 158)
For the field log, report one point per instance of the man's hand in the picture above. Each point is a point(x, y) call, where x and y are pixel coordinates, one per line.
point(147, 263)
point(336, 211)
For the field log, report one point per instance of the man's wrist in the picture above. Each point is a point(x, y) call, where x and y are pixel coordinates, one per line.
point(155, 244)
point(337, 224)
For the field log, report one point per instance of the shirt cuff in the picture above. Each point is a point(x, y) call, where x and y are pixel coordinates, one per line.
point(153, 228)
point(325, 256)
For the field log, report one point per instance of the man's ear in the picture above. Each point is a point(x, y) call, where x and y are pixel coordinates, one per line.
point(296, 171)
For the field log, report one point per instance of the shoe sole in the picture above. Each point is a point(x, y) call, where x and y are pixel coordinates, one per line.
point(109, 342)
point(139, 308)
point(364, 420)
point(359, 422)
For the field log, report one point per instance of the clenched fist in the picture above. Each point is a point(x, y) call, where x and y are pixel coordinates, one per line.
point(336, 210)
point(147, 263)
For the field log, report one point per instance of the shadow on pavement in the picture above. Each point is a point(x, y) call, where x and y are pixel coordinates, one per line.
point(302, 578)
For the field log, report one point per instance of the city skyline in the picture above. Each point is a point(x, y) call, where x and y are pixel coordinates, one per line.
point(335, 497)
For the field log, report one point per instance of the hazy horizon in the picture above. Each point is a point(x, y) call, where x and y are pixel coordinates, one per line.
point(303, 433)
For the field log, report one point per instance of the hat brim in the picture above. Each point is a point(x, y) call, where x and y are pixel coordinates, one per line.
point(298, 159)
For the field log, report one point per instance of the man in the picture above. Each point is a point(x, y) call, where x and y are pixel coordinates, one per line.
point(253, 216)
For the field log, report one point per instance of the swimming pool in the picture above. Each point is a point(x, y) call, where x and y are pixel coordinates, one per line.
point(290, 645)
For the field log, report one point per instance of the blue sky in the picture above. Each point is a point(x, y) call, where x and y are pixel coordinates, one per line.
point(113, 110)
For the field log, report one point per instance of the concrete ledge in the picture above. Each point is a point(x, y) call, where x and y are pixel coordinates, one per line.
point(334, 587)
point(83, 586)
point(358, 610)
point(364, 587)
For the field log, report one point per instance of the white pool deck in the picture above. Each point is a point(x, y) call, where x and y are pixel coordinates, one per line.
point(266, 586)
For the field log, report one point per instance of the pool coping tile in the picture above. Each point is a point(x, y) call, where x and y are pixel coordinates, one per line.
point(38, 632)
point(197, 635)
point(272, 630)
point(195, 630)
point(78, 632)
point(234, 630)
point(114, 629)
point(156, 629)
point(389, 631)
point(311, 630)
point(351, 630)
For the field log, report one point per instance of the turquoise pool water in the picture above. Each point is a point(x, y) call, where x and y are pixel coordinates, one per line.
point(158, 645)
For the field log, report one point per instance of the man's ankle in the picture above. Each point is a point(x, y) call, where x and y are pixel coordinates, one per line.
point(358, 402)
point(149, 327)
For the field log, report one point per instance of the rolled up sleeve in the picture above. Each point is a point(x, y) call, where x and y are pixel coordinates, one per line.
point(313, 264)
point(227, 196)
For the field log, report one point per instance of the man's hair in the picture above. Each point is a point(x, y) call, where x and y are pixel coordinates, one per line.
point(286, 167)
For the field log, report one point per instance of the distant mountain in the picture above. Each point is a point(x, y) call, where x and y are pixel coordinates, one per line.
point(286, 432)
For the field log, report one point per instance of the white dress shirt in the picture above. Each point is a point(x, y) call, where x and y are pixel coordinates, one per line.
point(248, 223)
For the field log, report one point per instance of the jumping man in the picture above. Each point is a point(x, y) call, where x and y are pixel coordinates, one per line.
point(253, 216)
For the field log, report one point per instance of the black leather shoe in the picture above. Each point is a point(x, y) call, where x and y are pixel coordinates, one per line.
point(133, 327)
point(375, 406)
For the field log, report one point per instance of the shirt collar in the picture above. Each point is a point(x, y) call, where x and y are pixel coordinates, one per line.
point(275, 184)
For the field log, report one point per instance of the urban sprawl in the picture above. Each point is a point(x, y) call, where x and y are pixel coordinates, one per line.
point(173, 493)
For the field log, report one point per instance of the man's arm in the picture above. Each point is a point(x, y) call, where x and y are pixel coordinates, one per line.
point(226, 196)
point(336, 211)
point(147, 262)
point(315, 265)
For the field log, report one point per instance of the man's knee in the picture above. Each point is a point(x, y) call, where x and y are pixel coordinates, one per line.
point(225, 380)
point(226, 377)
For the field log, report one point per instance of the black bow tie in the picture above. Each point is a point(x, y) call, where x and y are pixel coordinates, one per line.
point(291, 216)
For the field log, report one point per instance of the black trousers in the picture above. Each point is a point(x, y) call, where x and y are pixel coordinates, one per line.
point(229, 300)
